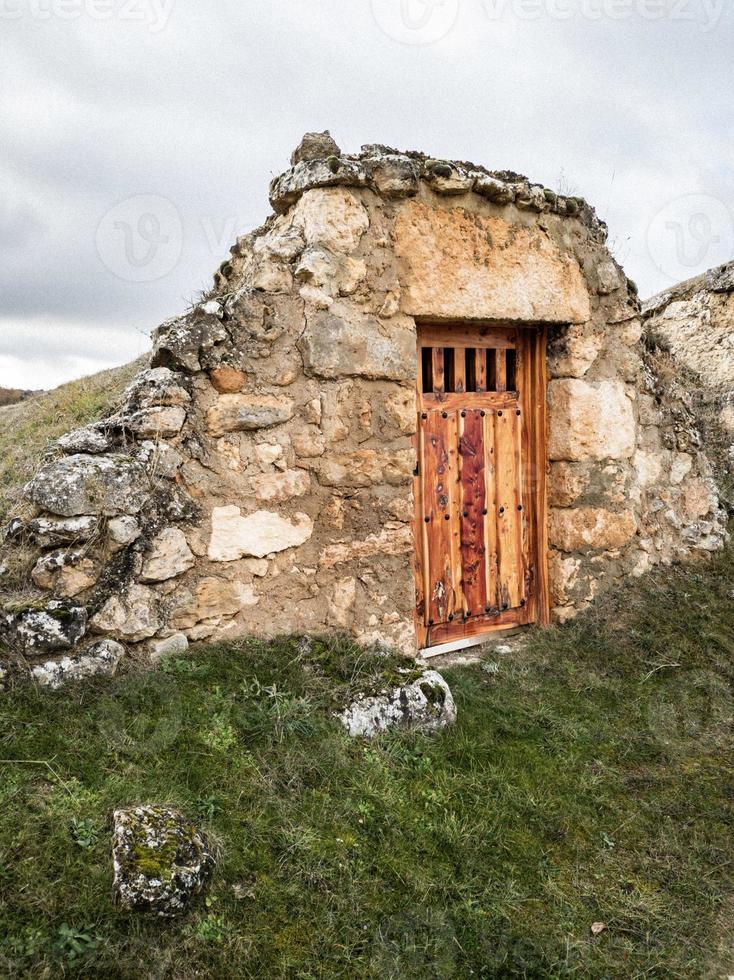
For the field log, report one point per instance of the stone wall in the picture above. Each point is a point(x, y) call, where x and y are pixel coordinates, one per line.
point(692, 327)
point(257, 478)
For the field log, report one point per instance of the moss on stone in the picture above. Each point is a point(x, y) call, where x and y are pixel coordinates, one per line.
point(433, 693)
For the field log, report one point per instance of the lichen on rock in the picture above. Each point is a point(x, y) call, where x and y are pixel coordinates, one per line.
point(161, 860)
point(423, 704)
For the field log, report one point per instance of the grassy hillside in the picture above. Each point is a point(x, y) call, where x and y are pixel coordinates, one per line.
point(590, 778)
point(27, 428)
point(9, 396)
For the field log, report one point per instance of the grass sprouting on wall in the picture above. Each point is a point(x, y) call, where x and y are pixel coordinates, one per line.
point(590, 778)
point(28, 428)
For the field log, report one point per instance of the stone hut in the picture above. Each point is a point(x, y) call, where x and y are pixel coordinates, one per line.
point(416, 407)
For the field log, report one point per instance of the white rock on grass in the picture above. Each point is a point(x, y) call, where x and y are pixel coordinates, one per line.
point(101, 658)
point(160, 859)
point(168, 647)
point(425, 704)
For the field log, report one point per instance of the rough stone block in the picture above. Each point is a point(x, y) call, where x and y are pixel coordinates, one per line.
point(161, 860)
point(169, 556)
point(244, 413)
point(585, 528)
point(590, 420)
point(456, 264)
point(256, 535)
point(83, 485)
point(333, 347)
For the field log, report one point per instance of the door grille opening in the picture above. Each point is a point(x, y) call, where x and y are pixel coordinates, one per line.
point(457, 370)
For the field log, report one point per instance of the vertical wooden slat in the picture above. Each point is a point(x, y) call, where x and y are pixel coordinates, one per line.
point(490, 518)
point(522, 363)
point(421, 556)
point(459, 369)
point(500, 370)
point(473, 518)
point(511, 577)
point(440, 500)
point(481, 368)
point(439, 386)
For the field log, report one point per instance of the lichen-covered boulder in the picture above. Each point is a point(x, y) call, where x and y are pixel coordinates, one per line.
point(161, 860)
point(156, 387)
point(91, 439)
point(180, 342)
point(59, 625)
point(425, 704)
point(85, 484)
point(52, 532)
point(101, 658)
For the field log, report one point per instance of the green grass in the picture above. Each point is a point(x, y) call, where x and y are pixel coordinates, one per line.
point(590, 778)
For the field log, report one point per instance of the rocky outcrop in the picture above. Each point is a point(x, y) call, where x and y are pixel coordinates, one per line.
point(161, 861)
point(424, 704)
point(691, 327)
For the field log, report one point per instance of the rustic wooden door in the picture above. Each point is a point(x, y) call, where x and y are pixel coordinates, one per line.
point(480, 481)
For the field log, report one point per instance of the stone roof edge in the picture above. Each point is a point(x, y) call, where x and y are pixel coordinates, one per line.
point(396, 174)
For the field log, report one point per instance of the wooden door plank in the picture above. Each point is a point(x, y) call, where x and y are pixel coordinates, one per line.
point(511, 572)
point(481, 369)
point(473, 513)
point(459, 370)
point(470, 399)
point(460, 629)
point(466, 335)
point(490, 518)
point(440, 499)
point(500, 381)
point(439, 384)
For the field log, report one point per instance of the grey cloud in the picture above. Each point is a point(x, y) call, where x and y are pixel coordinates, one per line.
point(636, 115)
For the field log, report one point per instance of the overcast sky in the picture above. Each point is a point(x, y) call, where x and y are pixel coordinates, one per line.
point(139, 136)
